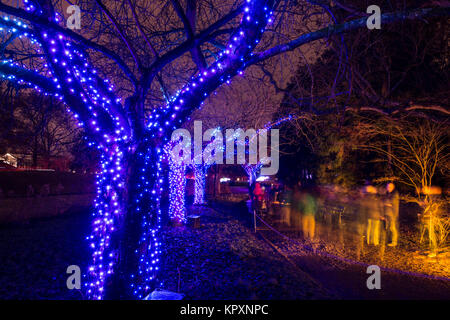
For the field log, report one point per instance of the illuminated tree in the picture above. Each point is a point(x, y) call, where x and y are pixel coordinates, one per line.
point(200, 168)
point(200, 171)
point(253, 170)
point(177, 185)
point(117, 76)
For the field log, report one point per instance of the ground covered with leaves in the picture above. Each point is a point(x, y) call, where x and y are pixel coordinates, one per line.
point(339, 257)
point(343, 241)
point(34, 256)
point(222, 259)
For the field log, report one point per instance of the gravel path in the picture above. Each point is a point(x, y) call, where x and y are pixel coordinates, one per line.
point(223, 259)
point(339, 271)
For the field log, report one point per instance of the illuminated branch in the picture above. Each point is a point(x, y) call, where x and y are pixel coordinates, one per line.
point(30, 77)
point(45, 24)
point(398, 110)
point(232, 60)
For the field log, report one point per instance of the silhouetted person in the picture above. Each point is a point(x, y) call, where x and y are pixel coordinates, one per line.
point(190, 192)
point(30, 191)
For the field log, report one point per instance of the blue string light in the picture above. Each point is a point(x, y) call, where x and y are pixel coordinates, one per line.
point(92, 101)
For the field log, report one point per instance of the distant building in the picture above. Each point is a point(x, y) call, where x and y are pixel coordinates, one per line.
point(18, 161)
point(9, 159)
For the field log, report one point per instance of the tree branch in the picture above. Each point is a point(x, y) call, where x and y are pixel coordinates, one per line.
point(121, 33)
point(45, 24)
point(348, 26)
point(203, 36)
point(28, 76)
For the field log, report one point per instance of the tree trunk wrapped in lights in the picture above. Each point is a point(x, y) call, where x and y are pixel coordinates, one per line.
point(200, 171)
point(253, 169)
point(177, 186)
point(128, 178)
point(201, 163)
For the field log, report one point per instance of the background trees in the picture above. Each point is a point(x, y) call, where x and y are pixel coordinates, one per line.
point(375, 107)
point(399, 70)
point(38, 126)
point(417, 151)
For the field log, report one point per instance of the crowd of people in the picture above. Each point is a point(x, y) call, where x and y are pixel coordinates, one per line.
point(302, 207)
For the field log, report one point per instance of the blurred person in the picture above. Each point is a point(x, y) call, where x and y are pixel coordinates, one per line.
point(264, 197)
point(373, 211)
point(308, 209)
point(286, 205)
point(431, 207)
point(258, 191)
point(360, 223)
point(391, 212)
point(258, 194)
point(272, 202)
point(295, 206)
point(269, 196)
point(329, 201)
point(276, 193)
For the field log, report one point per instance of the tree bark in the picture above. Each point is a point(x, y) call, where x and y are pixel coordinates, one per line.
point(124, 231)
point(177, 191)
point(200, 183)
